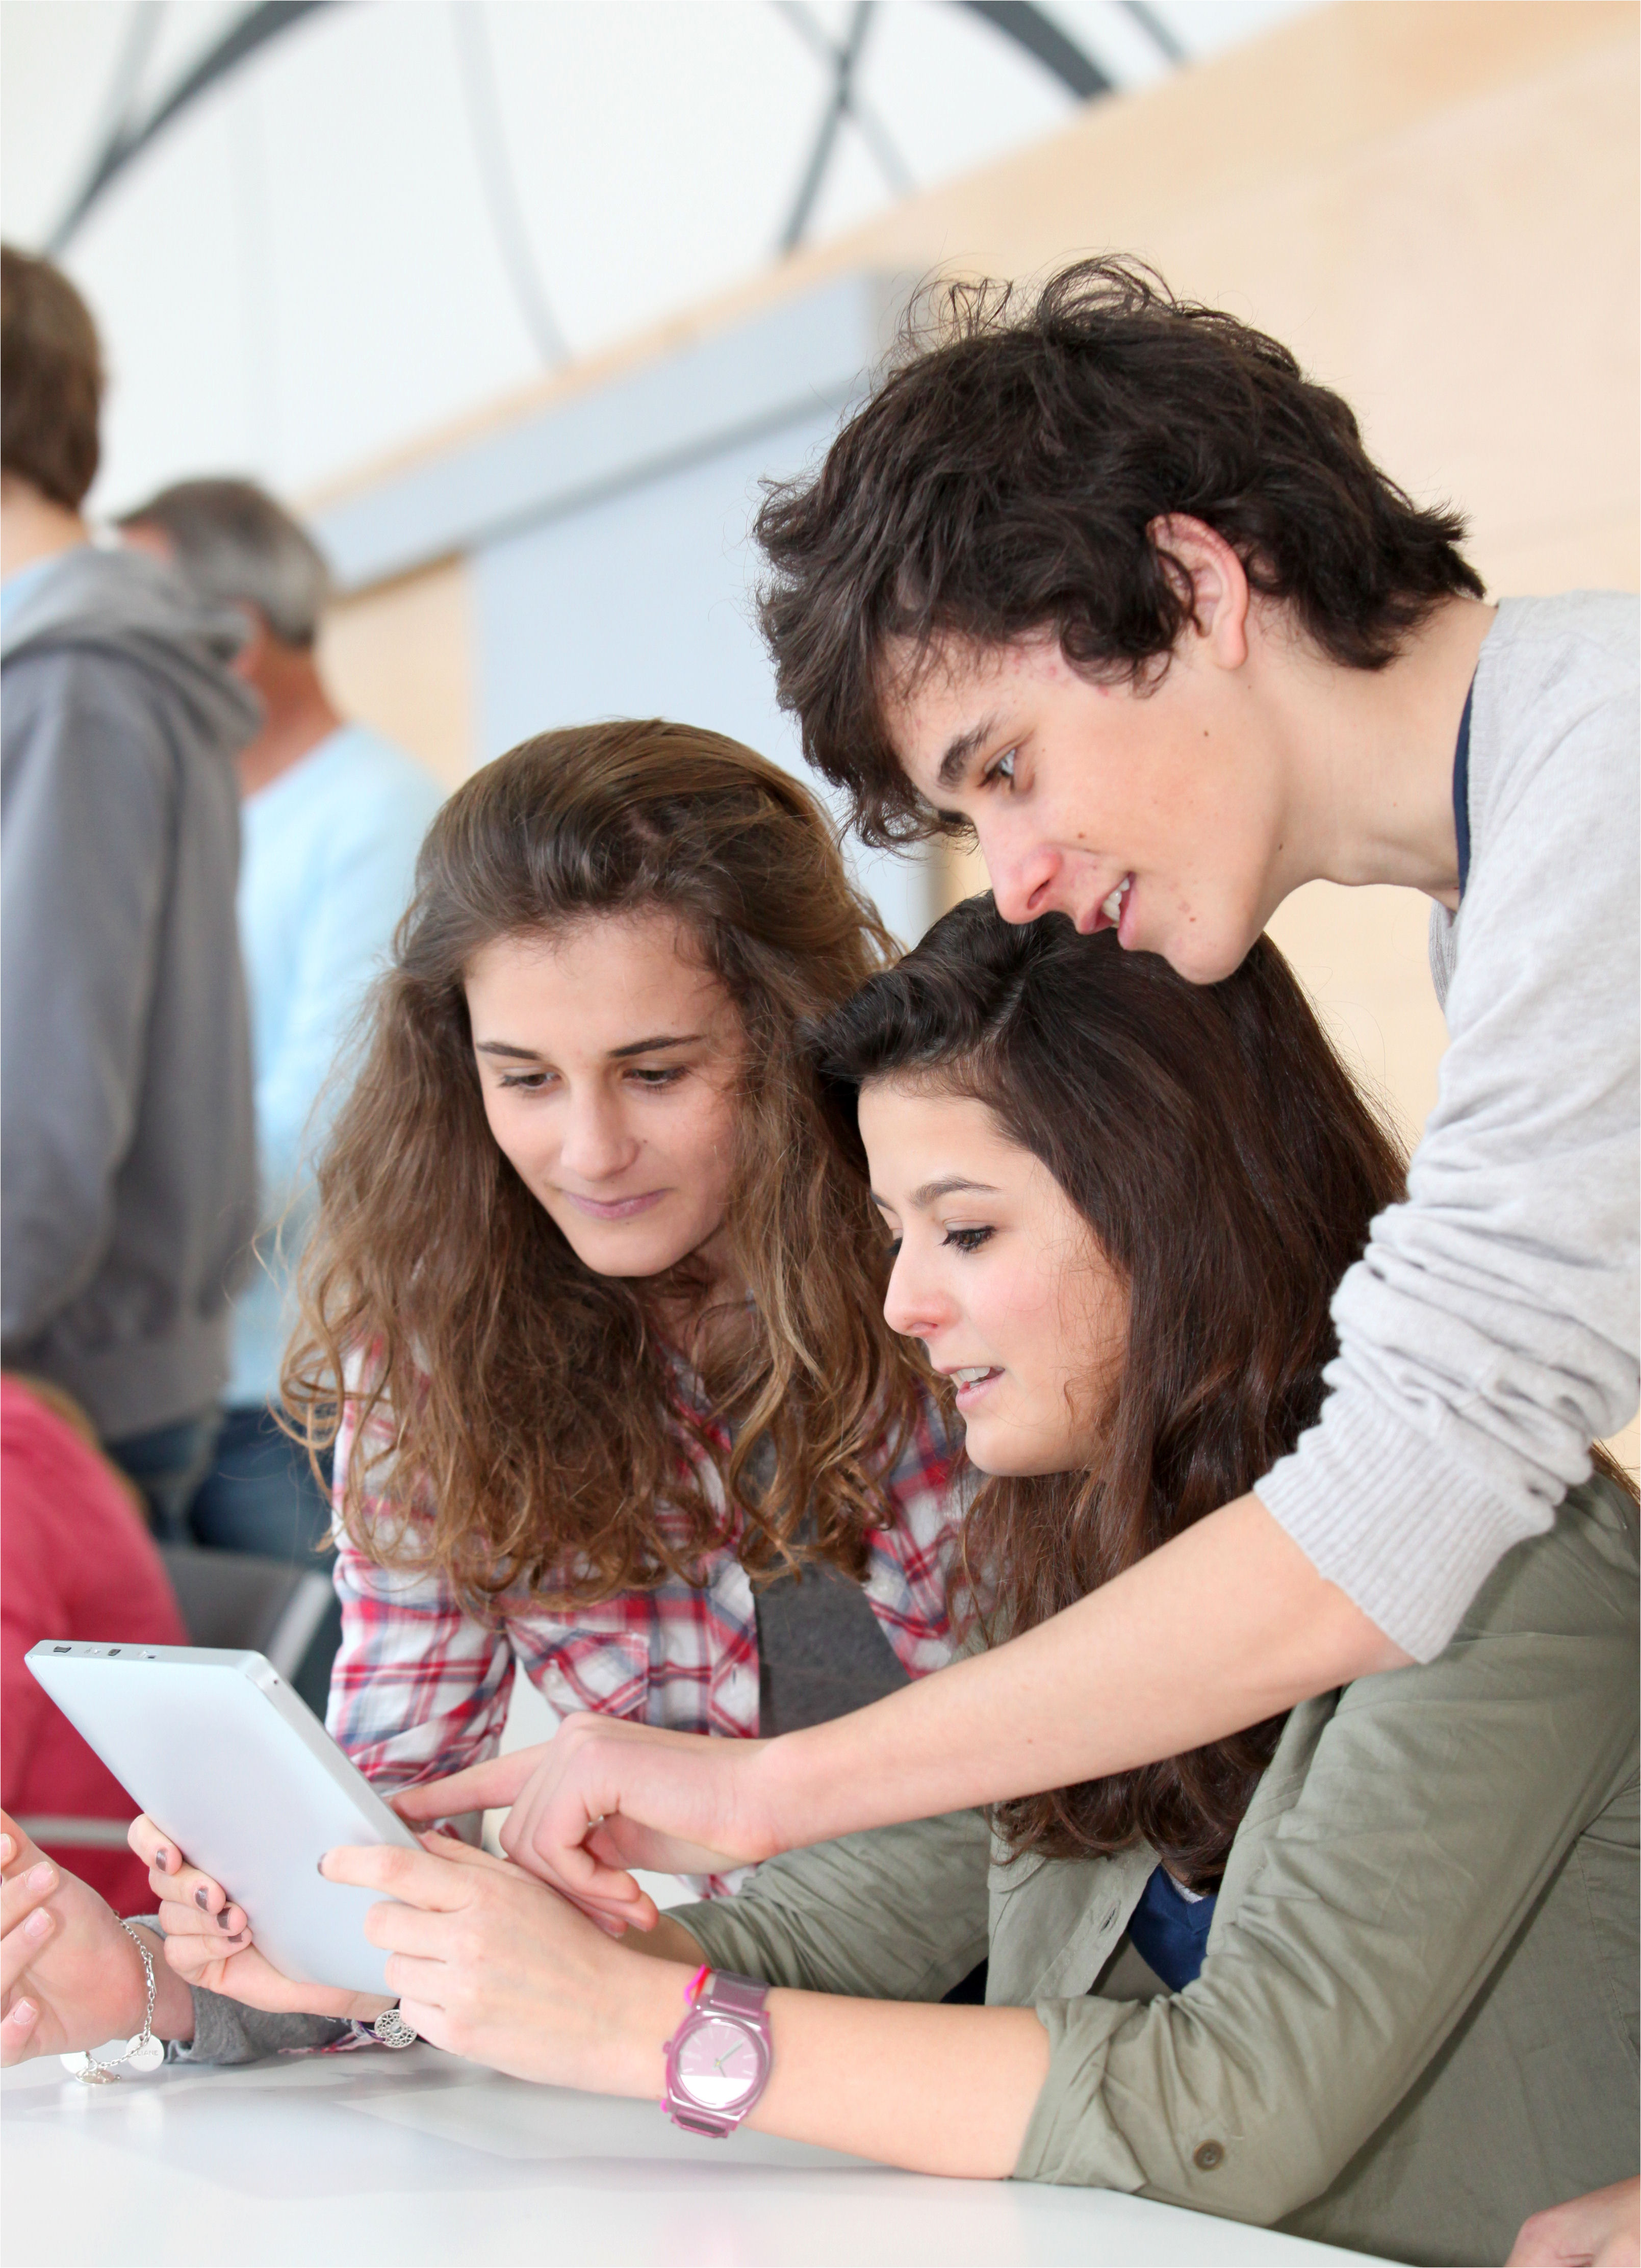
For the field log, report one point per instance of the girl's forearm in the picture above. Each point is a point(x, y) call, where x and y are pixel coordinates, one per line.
point(514, 1977)
point(935, 2089)
point(1224, 1626)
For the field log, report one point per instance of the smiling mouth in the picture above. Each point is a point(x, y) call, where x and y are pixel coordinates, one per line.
point(613, 1208)
point(1110, 913)
point(972, 1382)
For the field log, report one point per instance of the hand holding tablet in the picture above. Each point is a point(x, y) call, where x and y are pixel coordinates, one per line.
point(210, 1941)
point(233, 1770)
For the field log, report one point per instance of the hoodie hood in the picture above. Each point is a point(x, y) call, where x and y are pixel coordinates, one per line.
point(125, 605)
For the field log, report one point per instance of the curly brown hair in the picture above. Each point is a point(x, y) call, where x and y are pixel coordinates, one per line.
point(1229, 1168)
point(534, 1408)
point(1003, 479)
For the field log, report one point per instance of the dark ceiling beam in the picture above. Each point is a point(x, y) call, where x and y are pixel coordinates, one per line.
point(844, 58)
point(268, 20)
point(1029, 28)
point(1018, 20)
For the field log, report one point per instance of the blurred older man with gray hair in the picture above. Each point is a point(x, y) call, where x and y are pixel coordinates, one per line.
point(332, 819)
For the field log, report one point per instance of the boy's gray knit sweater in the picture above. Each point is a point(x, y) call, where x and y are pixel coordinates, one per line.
point(130, 1183)
point(1489, 1332)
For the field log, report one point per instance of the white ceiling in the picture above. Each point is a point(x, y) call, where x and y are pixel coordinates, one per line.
point(401, 209)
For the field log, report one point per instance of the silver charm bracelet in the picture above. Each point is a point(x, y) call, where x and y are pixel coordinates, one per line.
point(144, 2053)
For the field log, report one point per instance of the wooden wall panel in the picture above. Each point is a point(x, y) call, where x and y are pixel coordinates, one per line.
point(401, 658)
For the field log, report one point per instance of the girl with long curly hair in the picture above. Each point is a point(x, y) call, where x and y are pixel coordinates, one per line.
point(591, 1311)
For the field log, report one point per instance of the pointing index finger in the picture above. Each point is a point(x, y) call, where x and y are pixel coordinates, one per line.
point(477, 1787)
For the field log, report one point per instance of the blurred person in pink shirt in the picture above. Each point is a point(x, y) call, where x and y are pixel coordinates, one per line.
point(76, 1562)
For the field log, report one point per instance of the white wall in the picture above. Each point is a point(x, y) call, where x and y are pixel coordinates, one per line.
point(609, 565)
point(641, 605)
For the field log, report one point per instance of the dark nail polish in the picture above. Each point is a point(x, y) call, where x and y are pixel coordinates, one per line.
point(162, 1859)
point(200, 1898)
point(222, 1918)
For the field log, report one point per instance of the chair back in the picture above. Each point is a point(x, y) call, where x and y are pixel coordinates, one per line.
point(240, 1599)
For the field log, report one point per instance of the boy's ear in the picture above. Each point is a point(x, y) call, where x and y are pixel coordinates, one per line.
point(1209, 571)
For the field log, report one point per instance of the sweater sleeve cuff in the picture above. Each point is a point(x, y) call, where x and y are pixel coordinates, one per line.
point(1408, 1531)
point(226, 2031)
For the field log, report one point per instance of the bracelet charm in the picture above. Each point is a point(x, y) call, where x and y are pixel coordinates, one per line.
point(392, 2030)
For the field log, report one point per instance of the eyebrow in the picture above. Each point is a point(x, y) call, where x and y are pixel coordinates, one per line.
point(651, 1046)
point(958, 752)
point(661, 1040)
point(931, 1192)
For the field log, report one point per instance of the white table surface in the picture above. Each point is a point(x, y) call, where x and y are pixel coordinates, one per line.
point(418, 2157)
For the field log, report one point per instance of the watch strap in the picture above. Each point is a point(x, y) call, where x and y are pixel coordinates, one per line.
point(737, 1996)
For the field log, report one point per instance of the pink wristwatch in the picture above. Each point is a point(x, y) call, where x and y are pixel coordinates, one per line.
point(717, 2061)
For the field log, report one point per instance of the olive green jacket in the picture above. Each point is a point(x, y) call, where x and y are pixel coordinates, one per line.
point(1416, 2019)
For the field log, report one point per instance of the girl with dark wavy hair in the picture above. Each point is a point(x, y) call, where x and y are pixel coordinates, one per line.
point(1285, 1977)
point(1210, 1170)
point(591, 1311)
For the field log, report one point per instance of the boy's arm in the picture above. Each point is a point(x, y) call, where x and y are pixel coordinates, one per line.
point(1226, 1625)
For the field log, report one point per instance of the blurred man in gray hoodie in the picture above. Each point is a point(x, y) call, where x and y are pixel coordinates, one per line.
point(128, 1175)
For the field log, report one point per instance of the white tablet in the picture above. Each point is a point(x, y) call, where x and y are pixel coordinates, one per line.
point(220, 1753)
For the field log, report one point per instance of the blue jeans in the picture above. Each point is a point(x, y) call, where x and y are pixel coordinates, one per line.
point(166, 1466)
point(257, 1492)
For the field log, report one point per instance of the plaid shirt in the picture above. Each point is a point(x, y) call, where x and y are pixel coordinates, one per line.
point(421, 1687)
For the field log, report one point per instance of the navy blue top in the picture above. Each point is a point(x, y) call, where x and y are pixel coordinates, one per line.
point(1462, 790)
point(1170, 1931)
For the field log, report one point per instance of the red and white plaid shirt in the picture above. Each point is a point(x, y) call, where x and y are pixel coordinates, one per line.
point(421, 1686)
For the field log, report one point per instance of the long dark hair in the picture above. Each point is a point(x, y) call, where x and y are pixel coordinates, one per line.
point(1003, 478)
point(528, 1408)
point(1229, 1168)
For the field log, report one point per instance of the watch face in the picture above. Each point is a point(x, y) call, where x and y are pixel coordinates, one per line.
point(718, 2063)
